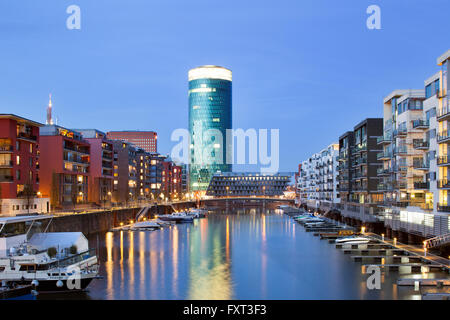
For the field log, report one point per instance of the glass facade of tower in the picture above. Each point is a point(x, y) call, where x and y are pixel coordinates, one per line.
point(209, 118)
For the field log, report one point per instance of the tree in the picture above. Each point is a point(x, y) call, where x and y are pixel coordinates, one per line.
point(28, 194)
point(54, 190)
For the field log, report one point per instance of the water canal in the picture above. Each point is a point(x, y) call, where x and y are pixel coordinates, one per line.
point(240, 254)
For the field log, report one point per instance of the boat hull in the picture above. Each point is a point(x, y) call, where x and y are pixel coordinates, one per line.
point(49, 286)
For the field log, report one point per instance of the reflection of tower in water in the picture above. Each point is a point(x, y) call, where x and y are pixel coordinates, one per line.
point(210, 268)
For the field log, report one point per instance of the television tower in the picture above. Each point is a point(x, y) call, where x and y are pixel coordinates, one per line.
point(49, 111)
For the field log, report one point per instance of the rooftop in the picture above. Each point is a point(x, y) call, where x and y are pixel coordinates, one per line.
point(19, 119)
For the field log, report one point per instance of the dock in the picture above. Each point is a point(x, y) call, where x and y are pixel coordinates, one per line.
point(423, 282)
point(388, 255)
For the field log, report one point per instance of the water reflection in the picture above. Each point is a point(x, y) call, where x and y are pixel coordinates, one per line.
point(249, 253)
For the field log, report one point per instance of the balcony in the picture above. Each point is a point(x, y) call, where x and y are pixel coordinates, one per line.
point(422, 165)
point(421, 124)
point(421, 185)
point(400, 132)
point(383, 172)
point(421, 145)
point(360, 148)
point(443, 113)
point(6, 148)
point(27, 136)
point(443, 207)
point(443, 161)
point(443, 137)
point(6, 164)
point(6, 179)
point(401, 150)
point(443, 184)
point(384, 155)
point(386, 139)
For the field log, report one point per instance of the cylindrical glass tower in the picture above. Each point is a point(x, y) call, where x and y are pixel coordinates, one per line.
point(209, 118)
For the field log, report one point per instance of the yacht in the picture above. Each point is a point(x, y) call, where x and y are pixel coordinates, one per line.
point(178, 217)
point(353, 240)
point(145, 226)
point(49, 261)
point(197, 213)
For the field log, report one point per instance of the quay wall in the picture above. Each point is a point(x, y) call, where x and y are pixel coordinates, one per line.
point(101, 221)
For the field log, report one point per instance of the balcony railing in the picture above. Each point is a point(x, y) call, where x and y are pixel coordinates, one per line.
point(443, 160)
point(26, 135)
point(6, 178)
point(421, 124)
point(421, 165)
point(400, 132)
point(401, 150)
point(443, 136)
point(420, 144)
point(384, 139)
point(421, 185)
point(6, 148)
point(443, 207)
point(384, 155)
point(6, 163)
point(443, 112)
point(443, 184)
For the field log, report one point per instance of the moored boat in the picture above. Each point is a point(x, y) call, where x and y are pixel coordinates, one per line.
point(50, 261)
point(353, 240)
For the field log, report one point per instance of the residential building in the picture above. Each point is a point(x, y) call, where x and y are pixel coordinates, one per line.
point(234, 184)
point(209, 118)
point(358, 171)
point(101, 166)
point(346, 145)
point(317, 181)
point(19, 167)
point(171, 180)
point(125, 172)
point(64, 166)
point(147, 140)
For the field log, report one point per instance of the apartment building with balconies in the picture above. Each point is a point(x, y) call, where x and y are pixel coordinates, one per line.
point(19, 167)
point(346, 145)
point(416, 202)
point(404, 165)
point(125, 174)
point(64, 166)
point(358, 171)
point(101, 166)
point(317, 179)
point(443, 142)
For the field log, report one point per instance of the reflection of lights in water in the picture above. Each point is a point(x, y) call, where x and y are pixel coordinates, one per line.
point(142, 247)
point(175, 260)
point(131, 270)
point(210, 275)
point(109, 242)
point(263, 231)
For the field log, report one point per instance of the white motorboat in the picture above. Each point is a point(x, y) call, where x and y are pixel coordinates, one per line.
point(178, 217)
point(145, 226)
point(353, 240)
point(197, 213)
point(50, 261)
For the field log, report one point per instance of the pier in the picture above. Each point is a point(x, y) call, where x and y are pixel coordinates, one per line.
point(387, 254)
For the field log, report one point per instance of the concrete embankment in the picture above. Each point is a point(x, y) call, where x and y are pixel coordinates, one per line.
point(100, 221)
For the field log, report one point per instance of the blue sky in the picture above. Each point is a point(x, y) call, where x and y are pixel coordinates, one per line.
point(310, 68)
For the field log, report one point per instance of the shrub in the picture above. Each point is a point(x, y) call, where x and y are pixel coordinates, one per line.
point(73, 249)
point(51, 252)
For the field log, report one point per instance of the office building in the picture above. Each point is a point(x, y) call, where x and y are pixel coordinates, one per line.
point(210, 115)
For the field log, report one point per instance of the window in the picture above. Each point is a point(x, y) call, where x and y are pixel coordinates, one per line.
point(17, 145)
point(18, 175)
point(428, 91)
point(18, 160)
